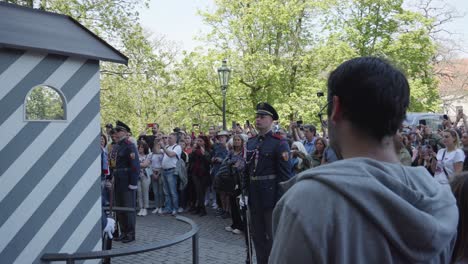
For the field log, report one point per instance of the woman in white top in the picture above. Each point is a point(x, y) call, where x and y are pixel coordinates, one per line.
point(449, 160)
point(156, 179)
point(144, 179)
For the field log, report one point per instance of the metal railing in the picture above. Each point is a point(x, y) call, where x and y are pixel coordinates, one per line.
point(71, 258)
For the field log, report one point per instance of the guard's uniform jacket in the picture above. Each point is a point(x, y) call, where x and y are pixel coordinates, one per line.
point(127, 167)
point(267, 165)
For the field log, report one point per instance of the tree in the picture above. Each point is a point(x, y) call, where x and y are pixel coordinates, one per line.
point(387, 29)
point(266, 42)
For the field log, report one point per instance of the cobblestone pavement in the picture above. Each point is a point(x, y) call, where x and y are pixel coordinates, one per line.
point(215, 244)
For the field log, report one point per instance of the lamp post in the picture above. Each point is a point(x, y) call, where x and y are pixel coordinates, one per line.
point(224, 73)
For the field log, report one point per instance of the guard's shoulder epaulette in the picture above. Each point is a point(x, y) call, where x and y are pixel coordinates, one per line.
point(276, 136)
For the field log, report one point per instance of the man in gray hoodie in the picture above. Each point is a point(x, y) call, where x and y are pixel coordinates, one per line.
point(366, 208)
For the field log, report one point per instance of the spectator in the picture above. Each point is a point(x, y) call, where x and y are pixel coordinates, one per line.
point(149, 139)
point(109, 128)
point(449, 160)
point(236, 157)
point(366, 208)
point(183, 198)
point(218, 154)
point(144, 179)
point(188, 144)
point(460, 191)
point(300, 160)
point(309, 141)
point(464, 141)
point(424, 158)
point(329, 155)
point(104, 170)
point(156, 158)
point(190, 189)
point(319, 151)
point(432, 139)
point(403, 154)
point(172, 153)
point(199, 169)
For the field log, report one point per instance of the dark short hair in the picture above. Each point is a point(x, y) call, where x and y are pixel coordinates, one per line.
point(144, 145)
point(373, 94)
point(309, 127)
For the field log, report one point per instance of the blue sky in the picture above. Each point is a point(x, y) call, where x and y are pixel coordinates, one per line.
point(179, 22)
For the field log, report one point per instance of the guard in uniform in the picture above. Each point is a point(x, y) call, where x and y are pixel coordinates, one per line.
point(126, 172)
point(267, 165)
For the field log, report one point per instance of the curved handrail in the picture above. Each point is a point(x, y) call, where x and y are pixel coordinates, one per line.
point(128, 250)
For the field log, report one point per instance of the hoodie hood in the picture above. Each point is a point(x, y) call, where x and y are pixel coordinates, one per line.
point(416, 214)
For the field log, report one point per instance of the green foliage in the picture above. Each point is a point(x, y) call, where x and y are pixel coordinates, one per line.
point(280, 51)
point(44, 103)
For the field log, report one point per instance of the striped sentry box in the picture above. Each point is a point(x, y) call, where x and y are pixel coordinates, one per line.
point(50, 197)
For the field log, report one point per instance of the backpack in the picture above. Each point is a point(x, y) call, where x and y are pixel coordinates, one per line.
point(225, 180)
point(181, 172)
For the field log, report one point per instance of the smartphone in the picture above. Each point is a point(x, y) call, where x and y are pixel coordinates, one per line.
point(234, 124)
point(150, 125)
point(320, 94)
point(422, 122)
point(247, 122)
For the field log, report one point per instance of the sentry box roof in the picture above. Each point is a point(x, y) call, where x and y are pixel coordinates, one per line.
point(33, 29)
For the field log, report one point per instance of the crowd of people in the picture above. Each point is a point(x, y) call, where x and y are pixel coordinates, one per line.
point(203, 154)
point(361, 196)
point(444, 153)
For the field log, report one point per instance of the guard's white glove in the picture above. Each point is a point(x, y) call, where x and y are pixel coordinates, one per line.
point(132, 187)
point(243, 201)
point(110, 228)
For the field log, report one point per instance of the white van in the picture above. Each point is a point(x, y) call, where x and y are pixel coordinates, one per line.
point(432, 120)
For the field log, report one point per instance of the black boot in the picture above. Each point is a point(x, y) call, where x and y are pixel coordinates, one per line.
point(120, 238)
point(129, 238)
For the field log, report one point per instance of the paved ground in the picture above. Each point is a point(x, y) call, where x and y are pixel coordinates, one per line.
point(215, 244)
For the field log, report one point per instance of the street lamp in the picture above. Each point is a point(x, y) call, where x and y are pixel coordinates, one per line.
point(224, 73)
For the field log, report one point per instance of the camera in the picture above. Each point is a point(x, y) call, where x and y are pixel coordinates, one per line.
point(320, 94)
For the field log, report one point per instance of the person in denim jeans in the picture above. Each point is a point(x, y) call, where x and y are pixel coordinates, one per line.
point(172, 153)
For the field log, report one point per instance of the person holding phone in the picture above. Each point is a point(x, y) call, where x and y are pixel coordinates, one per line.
point(449, 160)
point(199, 169)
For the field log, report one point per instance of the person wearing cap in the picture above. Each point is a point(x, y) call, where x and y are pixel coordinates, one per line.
point(126, 173)
point(267, 165)
point(219, 153)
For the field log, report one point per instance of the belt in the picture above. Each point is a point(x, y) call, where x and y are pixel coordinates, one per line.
point(168, 169)
point(264, 177)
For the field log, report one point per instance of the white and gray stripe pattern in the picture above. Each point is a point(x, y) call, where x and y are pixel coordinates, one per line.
point(49, 171)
